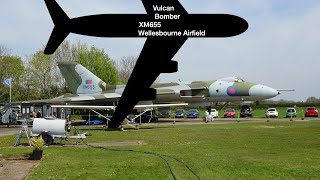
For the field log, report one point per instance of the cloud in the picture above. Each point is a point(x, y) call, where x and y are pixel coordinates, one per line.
point(277, 50)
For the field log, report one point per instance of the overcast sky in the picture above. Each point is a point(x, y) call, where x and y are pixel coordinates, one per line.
point(281, 48)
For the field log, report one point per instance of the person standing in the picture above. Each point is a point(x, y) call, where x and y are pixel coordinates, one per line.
point(14, 117)
point(34, 114)
point(38, 114)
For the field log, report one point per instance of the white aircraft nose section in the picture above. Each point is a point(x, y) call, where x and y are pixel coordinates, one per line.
point(263, 91)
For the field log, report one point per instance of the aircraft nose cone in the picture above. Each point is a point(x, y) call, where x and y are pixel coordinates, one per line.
point(263, 91)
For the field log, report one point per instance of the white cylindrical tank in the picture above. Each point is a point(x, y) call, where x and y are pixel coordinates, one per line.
point(53, 126)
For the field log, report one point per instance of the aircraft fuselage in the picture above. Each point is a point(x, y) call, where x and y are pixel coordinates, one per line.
point(230, 90)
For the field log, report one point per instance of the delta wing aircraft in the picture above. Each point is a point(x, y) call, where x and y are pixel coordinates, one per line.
point(89, 91)
point(166, 18)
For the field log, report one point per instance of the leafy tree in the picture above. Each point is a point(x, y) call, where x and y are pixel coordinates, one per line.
point(65, 53)
point(96, 60)
point(99, 63)
point(40, 76)
point(10, 67)
point(43, 77)
point(312, 100)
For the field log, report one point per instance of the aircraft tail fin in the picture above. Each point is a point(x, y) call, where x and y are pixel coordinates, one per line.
point(60, 30)
point(80, 80)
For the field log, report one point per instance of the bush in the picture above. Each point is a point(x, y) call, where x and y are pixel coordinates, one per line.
point(37, 143)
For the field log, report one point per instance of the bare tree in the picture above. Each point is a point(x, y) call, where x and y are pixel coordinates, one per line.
point(125, 67)
point(65, 53)
point(3, 51)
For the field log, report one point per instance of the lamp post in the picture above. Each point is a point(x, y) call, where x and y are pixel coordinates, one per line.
point(10, 91)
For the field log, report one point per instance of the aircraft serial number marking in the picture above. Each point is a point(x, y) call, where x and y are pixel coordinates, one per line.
point(88, 87)
point(150, 24)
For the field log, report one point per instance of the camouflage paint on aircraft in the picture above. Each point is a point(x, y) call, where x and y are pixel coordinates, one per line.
point(87, 88)
point(80, 80)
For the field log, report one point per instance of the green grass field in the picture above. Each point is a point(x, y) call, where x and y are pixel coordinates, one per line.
point(274, 150)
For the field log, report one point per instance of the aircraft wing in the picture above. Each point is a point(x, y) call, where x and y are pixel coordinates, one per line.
point(155, 58)
point(88, 99)
point(113, 107)
point(285, 90)
point(149, 5)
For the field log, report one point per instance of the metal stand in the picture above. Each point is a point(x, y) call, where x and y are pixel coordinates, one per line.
point(100, 115)
point(132, 121)
point(24, 128)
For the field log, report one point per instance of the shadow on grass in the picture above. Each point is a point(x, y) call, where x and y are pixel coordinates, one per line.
point(126, 128)
point(22, 145)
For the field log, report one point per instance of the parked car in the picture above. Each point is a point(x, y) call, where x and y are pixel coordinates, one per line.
point(164, 113)
point(246, 111)
point(291, 112)
point(193, 113)
point(229, 113)
point(89, 122)
point(272, 112)
point(214, 113)
point(179, 113)
point(149, 116)
point(95, 122)
point(312, 112)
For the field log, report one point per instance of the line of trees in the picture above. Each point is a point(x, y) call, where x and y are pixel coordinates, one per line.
point(38, 76)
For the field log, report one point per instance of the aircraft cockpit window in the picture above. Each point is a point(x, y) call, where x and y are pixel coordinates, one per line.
point(239, 80)
point(232, 79)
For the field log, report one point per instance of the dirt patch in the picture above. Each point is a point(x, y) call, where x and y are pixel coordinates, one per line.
point(270, 127)
point(9, 131)
point(16, 167)
point(124, 143)
point(267, 127)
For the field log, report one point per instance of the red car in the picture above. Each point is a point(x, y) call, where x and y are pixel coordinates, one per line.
point(311, 112)
point(229, 113)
